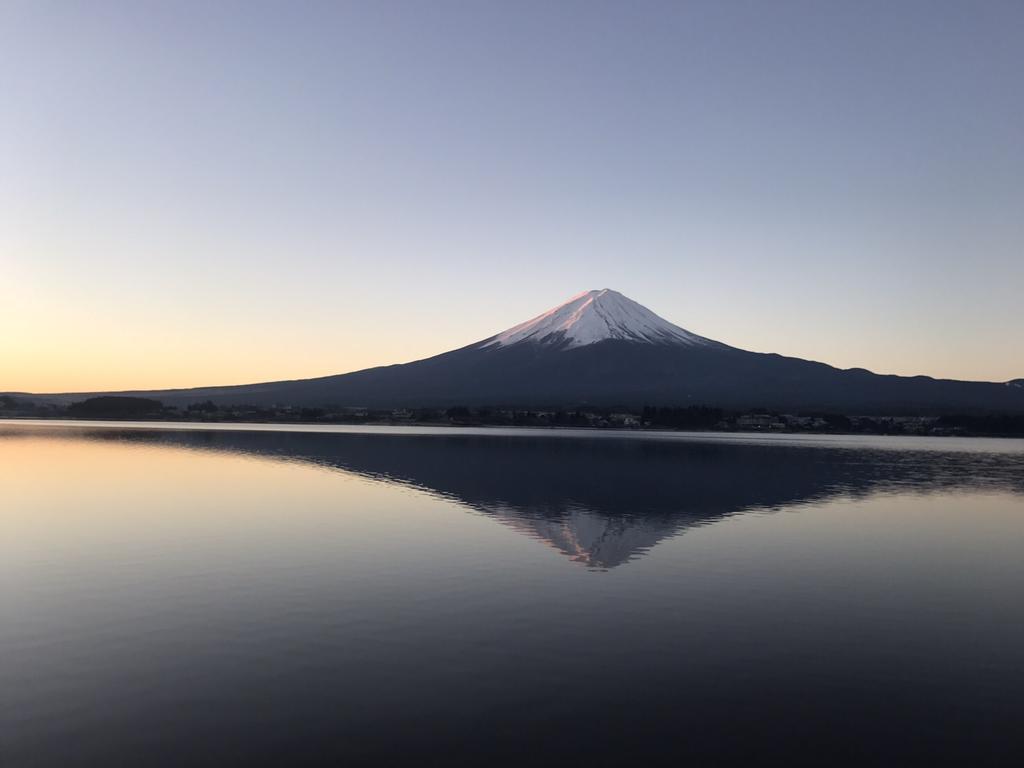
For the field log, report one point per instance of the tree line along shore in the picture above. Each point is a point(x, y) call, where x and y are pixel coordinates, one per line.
point(694, 417)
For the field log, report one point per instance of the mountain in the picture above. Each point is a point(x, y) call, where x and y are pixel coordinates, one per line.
point(594, 316)
point(601, 348)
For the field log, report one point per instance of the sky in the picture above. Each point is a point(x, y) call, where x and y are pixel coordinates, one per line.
point(197, 193)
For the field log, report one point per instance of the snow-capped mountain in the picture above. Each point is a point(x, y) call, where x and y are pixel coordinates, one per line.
point(594, 316)
point(600, 348)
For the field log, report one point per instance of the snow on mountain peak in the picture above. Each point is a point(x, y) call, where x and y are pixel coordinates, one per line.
point(594, 316)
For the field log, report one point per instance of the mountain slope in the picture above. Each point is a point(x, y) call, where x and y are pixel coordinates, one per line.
point(594, 316)
point(601, 348)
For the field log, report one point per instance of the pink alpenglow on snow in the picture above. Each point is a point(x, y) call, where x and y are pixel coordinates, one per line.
point(595, 316)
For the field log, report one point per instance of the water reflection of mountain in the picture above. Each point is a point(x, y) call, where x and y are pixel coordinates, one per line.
point(605, 501)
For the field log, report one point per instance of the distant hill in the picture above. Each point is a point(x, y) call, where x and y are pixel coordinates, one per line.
point(602, 349)
point(115, 407)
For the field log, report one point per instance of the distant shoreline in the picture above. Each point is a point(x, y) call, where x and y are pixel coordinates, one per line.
point(369, 427)
point(687, 418)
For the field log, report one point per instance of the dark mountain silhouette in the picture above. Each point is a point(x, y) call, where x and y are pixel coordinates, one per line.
point(115, 408)
point(603, 349)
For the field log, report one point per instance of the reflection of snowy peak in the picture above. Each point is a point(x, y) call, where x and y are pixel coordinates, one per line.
point(607, 501)
point(595, 316)
point(587, 536)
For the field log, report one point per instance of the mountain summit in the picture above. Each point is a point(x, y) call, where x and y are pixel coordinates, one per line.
point(602, 349)
point(594, 316)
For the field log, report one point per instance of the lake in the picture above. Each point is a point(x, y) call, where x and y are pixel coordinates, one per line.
point(176, 595)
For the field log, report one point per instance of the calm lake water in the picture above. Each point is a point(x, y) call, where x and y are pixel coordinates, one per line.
point(175, 596)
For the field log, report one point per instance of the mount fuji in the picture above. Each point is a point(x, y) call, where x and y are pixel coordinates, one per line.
point(595, 316)
point(601, 348)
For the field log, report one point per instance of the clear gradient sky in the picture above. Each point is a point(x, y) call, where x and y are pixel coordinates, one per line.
point(213, 193)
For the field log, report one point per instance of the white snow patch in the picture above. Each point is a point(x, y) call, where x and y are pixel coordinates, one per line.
point(595, 316)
